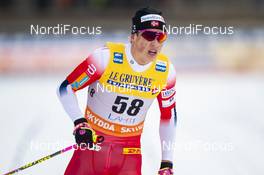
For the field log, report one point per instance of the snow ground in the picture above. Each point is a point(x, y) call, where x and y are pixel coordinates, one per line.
point(220, 125)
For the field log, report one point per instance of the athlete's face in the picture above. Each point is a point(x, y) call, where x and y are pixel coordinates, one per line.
point(143, 50)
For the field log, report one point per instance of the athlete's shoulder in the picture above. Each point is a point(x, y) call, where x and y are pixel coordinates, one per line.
point(115, 46)
point(101, 51)
point(100, 56)
point(171, 80)
point(161, 54)
point(172, 69)
point(164, 57)
point(113, 43)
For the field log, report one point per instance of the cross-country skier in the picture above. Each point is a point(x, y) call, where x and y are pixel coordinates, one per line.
point(123, 81)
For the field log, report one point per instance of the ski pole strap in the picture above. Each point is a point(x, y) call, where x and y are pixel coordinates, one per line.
point(40, 160)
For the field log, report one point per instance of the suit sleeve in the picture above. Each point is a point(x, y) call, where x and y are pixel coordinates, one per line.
point(168, 118)
point(86, 73)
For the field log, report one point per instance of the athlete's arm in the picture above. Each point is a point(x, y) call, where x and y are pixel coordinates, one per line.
point(84, 74)
point(168, 119)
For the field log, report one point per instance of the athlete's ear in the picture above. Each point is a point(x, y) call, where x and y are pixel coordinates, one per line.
point(133, 37)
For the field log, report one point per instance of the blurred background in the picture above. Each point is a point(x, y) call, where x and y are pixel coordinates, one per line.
point(241, 51)
point(220, 81)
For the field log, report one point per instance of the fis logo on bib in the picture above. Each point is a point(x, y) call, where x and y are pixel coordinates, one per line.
point(161, 66)
point(118, 57)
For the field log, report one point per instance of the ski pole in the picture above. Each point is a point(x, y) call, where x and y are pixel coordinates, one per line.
point(40, 160)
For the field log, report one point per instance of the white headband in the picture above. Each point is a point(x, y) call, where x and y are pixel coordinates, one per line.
point(151, 17)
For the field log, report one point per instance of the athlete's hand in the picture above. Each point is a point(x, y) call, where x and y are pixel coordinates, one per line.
point(85, 135)
point(165, 168)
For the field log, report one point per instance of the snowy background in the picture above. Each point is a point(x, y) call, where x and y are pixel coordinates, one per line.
point(220, 125)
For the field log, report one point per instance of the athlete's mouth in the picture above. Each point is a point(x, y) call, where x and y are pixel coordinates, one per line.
point(152, 52)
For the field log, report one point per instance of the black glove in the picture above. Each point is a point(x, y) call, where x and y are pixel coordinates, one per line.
point(85, 135)
point(166, 168)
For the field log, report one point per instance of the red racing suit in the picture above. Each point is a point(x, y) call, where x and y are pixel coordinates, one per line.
point(119, 95)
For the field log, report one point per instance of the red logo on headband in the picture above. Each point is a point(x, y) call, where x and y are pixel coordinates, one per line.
point(154, 23)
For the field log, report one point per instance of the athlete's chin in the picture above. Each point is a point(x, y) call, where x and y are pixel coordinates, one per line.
point(151, 57)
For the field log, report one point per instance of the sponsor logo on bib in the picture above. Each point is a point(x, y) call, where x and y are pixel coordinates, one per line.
point(161, 66)
point(118, 57)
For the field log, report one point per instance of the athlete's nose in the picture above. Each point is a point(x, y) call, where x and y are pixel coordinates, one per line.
point(155, 43)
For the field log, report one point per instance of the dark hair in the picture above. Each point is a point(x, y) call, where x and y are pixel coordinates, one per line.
point(138, 25)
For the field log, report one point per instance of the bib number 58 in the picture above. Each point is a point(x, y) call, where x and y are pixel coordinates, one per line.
point(120, 106)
